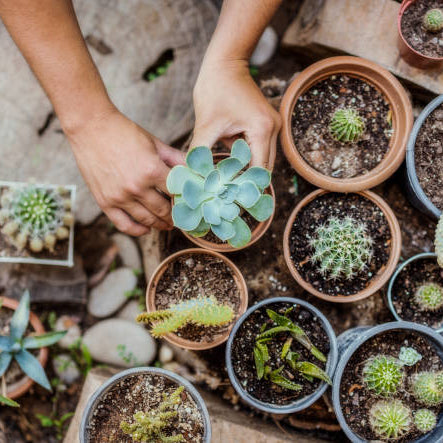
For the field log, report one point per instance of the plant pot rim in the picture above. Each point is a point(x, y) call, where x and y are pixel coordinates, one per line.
point(378, 77)
point(377, 281)
point(25, 383)
point(301, 403)
point(410, 157)
point(347, 354)
point(238, 278)
point(107, 385)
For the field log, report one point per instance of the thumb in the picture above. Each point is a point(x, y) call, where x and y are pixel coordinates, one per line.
point(204, 136)
point(171, 156)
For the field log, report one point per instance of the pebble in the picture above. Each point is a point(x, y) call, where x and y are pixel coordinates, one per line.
point(66, 368)
point(316, 157)
point(336, 163)
point(265, 48)
point(166, 354)
point(130, 311)
point(67, 323)
point(109, 295)
point(127, 250)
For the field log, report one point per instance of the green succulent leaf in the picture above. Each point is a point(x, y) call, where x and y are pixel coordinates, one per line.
point(259, 363)
point(185, 218)
point(311, 370)
point(240, 150)
point(5, 343)
point(213, 182)
point(8, 402)
point(20, 319)
point(224, 231)
point(263, 209)
point(260, 176)
point(292, 358)
point(278, 379)
point(40, 341)
point(229, 168)
point(273, 332)
point(286, 348)
point(32, 368)
point(5, 360)
point(194, 194)
point(211, 213)
point(229, 211)
point(178, 176)
point(199, 159)
point(242, 233)
point(229, 194)
point(201, 230)
point(248, 194)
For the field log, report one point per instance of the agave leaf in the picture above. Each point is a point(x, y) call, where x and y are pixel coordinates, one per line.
point(242, 233)
point(229, 168)
point(194, 194)
point(32, 368)
point(5, 360)
point(185, 218)
point(273, 332)
point(263, 209)
point(286, 347)
point(8, 402)
point(278, 379)
point(264, 350)
point(40, 341)
point(20, 319)
point(281, 320)
point(178, 176)
point(228, 211)
point(201, 230)
point(213, 182)
point(318, 354)
point(259, 363)
point(309, 369)
point(248, 194)
point(260, 176)
point(5, 343)
point(229, 194)
point(224, 231)
point(241, 151)
point(211, 213)
point(291, 358)
point(199, 159)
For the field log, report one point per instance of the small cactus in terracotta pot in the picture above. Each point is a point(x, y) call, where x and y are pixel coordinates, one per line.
point(347, 125)
point(433, 20)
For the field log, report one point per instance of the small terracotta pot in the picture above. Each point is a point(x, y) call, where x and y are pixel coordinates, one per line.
point(378, 77)
point(383, 275)
point(22, 386)
point(407, 52)
point(238, 278)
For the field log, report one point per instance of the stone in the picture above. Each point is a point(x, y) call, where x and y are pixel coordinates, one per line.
point(127, 250)
point(265, 48)
point(130, 311)
point(66, 368)
point(69, 324)
point(121, 343)
point(109, 295)
point(153, 248)
point(166, 354)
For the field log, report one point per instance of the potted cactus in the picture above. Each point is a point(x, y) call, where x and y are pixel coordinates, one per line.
point(146, 404)
point(194, 297)
point(342, 247)
point(216, 202)
point(36, 223)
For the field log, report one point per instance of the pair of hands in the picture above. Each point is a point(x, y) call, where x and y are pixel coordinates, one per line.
point(126, 168)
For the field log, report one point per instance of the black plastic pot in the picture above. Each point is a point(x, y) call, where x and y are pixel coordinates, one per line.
point(415, 192)
point(350, 341)
point(301, 403)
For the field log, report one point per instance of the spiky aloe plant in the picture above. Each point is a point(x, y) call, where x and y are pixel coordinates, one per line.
point(346, 125)
point(341, 247)
point(35, 216)
point(390, 419)
point(150, 426)
point(429, 297)
point(383, 374)
point(439, 241)
point(208, 197)
point(425, 420)
point(409, 356)
point(433, 20)
point(203, 311)
point(427, 388)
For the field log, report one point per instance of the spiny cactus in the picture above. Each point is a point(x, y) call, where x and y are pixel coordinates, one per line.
point(439, 241)
point(346, 125)
point(209, 198)
point(427, 388)
point(409, 356)
point(429, 297)
point(390, 419)
point(425, 420)
point(150, 426)
point(341, 247)
point(433, 20)
point(203, 311)
point(40, 216)
point(383, 374)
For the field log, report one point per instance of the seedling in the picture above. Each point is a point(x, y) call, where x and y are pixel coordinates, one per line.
point(390, 419)
point(427, 387)
point(346, 125)
point(433, 20)
point(429, 297)
point(383, 374)
point(425, 420)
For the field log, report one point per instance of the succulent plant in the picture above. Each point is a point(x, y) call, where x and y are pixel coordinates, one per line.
point(383, 374)
point(35, 216)
point(150, 426)
point(427, 388)
point(390, 419)
point(346, 125)
point(409, 356)
point(433, 20)
point(425, 420)
point(429, 297)
point(439, 241)
point(203, 311)
point(341, 248)
point(208, 197)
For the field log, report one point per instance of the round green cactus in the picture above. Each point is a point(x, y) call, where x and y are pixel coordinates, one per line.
point(433, 20)
point(429, 297)
point(439, 241)
point(425, 420)
point(383, 374)
point(390, 419)
point(427, 388)
point(341, 248)
point(346, 125)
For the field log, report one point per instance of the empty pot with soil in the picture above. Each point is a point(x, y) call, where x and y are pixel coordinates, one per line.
point(281, 355)
point(346, 122)
point(194, 298)
point(342, 247)
point(145, 404)
point(388, 384)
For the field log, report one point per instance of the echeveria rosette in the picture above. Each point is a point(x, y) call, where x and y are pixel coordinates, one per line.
point(211, 197)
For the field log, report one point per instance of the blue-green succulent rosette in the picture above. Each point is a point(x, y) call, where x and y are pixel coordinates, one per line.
point(210, 197)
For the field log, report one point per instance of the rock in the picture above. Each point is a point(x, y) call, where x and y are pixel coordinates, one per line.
point(265, 48)
point(109, 295)
point(130, 311)
point(166, 354)
point(128, 251)
point(66, 368)
point(67, 323)
point(336, 163)
point(120, 342)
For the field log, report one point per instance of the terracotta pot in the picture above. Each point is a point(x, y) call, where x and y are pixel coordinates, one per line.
point(378, 77)
point(379, 280)
point(22, 386)
point(408, 53)
point(238, 278)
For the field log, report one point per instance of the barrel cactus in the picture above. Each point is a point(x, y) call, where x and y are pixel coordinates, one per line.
point(208, 197)
point(390, 419)
point(347, 125)
point(425, 420)
point(433, 20)
point(341, 248)
point(429, 297)
point(383, 374)
point(439, 241)
point(427, 388)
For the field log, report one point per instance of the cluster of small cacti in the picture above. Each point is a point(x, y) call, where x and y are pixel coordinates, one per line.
point(383, 374)
point(341, 247)
point(428, 388)
point(390, 419)
point(346, 125)
point(439, 241)
point(202, 311)
point(35, 216)
point(433, 20)
point(429, 297)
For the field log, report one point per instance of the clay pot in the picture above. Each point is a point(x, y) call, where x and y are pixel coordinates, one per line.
point(407, 52)
point(378, 281)
point(238, 278)
point(378, 77)
point(22, 386)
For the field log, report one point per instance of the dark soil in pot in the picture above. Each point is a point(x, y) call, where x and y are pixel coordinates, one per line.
point(143, 393)
point(317, 213)
point(191, 275)
point(356, 400)
point(412, 276)
point(428, 155)
point(243, 358)
point(424, 42)
point(310, 126)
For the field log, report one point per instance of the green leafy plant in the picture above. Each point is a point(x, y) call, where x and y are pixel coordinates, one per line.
point(390, 419)
point(383, 374)
point(203, 311)
point(58, 423)
point(425, 420)
point(346, 125)
point(429, 297)
point(341, 248)
point(433, 20)
point(439, 241)
point(81, 356)
point(34, 216)
point(409, 356)
point(427, 388)
point(208, 197)
point(149, 426)
point(8, 402)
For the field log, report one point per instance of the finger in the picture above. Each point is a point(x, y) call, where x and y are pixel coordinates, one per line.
point(260, 144)
point(272, 151)
point(204, 136)
point(171, 156)
point(145, 217)
point(158, 175)
point(124, 223)
point(157, 204)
